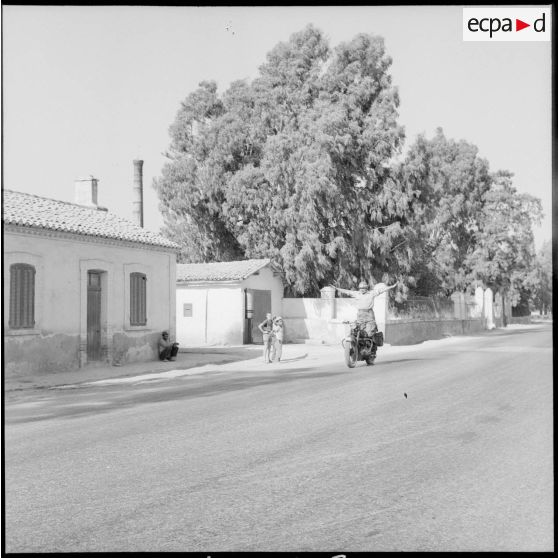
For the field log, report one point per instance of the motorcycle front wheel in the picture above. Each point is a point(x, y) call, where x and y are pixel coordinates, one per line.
point(350, 355)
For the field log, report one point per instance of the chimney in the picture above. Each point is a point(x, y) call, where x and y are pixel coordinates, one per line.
point(138, 193)
point(86, 191)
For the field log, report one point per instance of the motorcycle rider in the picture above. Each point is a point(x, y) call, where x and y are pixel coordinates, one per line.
point(365, 303)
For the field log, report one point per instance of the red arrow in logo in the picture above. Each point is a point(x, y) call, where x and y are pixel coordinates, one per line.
point(519, 25)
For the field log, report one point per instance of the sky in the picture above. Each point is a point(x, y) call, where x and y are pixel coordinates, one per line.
point(88, 89)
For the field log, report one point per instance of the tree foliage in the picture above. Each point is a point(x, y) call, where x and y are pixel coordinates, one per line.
point(449, 181)
point(466, 225)
point(504, 253)
point(540, 280)
point(294, 166)
point(298, 165)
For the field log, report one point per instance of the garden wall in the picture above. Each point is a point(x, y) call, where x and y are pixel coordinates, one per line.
point(321, 320)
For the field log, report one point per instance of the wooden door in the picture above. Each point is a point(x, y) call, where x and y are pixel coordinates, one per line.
point(94, 315)
point(248, 316)
point(261, 301)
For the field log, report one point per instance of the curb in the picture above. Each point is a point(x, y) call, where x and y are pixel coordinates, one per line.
point(122, 374)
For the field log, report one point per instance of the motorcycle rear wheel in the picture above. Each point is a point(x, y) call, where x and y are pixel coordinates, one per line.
point(370, 360)
point(350, 355)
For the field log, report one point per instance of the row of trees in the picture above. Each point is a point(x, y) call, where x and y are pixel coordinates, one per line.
point(305, 165)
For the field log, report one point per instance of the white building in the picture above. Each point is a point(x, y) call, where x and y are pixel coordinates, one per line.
point(81, 285)
point(222, 303)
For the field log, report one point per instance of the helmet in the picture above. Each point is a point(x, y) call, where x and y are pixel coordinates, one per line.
point(363, 285)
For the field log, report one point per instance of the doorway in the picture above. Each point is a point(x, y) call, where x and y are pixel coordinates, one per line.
point(258, 304)
point(94, 298)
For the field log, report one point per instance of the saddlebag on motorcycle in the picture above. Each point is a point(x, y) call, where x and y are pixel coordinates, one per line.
point(379, 338)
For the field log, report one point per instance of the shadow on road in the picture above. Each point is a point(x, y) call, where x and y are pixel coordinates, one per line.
point(232, 354)
point(509, 332)
point(400, 360)
point(294, 359)
point(160, 392)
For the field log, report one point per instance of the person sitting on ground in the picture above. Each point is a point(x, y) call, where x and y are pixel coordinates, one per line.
point(266, 327)
point(167, 349)
point(277, 348)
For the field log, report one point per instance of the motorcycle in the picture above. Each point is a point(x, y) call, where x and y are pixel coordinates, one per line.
point(358, 345)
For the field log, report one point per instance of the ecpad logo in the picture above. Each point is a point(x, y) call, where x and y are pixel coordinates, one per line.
point(494, 24)
point(506, 24)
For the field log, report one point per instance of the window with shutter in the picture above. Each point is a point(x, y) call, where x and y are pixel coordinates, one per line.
point(22, 296)
point(138, 296)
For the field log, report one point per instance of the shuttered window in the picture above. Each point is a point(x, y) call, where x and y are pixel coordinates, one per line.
point(22, 296)
point(138, 299)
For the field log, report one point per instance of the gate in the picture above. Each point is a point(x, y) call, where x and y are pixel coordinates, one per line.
point(257, 304)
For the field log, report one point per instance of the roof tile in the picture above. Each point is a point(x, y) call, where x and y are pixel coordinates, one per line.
point(28, 210)
point(219, 271)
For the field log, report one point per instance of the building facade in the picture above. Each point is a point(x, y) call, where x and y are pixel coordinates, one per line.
point(81, 286)
point(223, 303)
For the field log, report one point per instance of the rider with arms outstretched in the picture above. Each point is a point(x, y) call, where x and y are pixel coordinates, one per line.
point(365, 303)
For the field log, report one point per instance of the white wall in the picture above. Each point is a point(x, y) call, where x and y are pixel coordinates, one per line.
point(61, 263)
point(191, 331)
point(320, 319)
point(225, 316)
point(306, 308)
point(320, 308)
point(217, 314)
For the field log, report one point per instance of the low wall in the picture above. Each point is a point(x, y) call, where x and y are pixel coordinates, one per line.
point(410, 332)
point(401, 332)
point(520, 320)
point(299, 330)
point(320, 319)
point(304, 307)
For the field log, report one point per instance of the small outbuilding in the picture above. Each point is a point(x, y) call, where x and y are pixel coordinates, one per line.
point(222, 303)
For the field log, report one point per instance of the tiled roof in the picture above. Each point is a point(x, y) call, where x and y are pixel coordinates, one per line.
point(28, 210)
point(219, 271)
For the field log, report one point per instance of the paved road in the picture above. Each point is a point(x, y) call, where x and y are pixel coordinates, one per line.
point(309, 456)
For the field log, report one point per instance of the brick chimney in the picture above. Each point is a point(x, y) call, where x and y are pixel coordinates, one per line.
point(138, 193)
point(86, 191)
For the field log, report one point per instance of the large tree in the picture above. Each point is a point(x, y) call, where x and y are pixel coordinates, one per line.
point(294, 166)
point(504, 254)
point(466, 225)
point(541, 280)
point(449, 181)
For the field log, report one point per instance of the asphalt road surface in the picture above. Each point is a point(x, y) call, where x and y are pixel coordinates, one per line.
point(306, 456)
